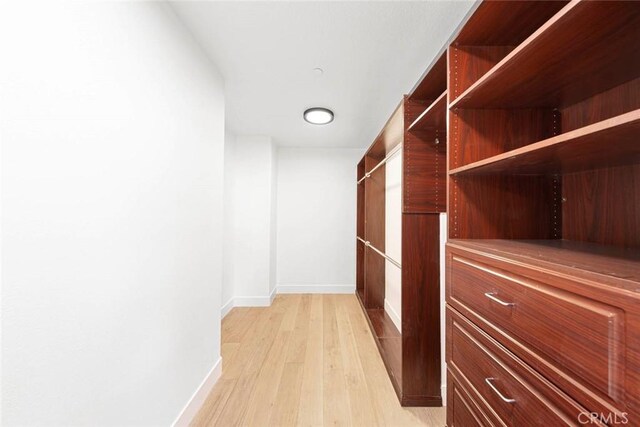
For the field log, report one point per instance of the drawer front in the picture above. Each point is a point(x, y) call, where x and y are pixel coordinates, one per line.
point(462, 410)
point(489, 371)
point(582, 337)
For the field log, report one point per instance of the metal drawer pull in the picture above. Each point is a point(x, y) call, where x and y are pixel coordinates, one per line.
point(492, 297)
point(493, 387)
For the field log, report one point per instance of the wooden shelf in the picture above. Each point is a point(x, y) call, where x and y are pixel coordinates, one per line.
point(614, 265)
point(433, 117)
point(389, 342)
point(433, 82)
point(383, 326)
point(536, 73)
point(611, 142)
point(503, 23)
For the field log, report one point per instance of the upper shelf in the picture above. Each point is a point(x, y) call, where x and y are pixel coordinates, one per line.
point(506, 23)
point(434, 116)
point(611, 142)
point(566, 60)
point(433, 82)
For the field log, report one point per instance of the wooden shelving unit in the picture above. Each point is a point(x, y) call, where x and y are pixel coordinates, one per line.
point(412, 355)
point(543, 258)
point(577, 150)
point(433, 117)
point(535, 73)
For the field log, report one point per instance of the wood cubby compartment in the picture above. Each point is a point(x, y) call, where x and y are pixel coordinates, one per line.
point(544, 181)
point(412, 355)
point(539, 132)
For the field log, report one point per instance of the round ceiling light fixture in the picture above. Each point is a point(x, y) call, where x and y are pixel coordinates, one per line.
point(318, 116)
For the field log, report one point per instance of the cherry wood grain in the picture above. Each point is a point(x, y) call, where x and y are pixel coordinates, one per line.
point(475, 357)
point(567, 273)
point(360, 169)
point(360, 208)
point(543, 192)
point(381, 323)
point(374, 279)
point(389, 342)
point(603, 205)
point(611, 265)
point(420, 309)
point(611, 142)
point(374, 204)
point(475, 135)
point(360, 270)
point(585, 34)
point(497, 23)
point(374, 275)
point(467, 64)
point(504, 207)
point(433, 82)
point(434, 116)
point(424, 172)
point(546, 319)
point(462, 409)
point(611, 103)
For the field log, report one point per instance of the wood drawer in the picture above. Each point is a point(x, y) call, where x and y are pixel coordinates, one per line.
point(462, 409)
point(512, 393)
point(579, 330)
point(577, 333)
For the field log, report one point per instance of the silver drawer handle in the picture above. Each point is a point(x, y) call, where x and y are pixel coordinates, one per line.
point(493, 387)
point(492, 297)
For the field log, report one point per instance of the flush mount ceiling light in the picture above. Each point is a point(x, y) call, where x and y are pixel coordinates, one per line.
point(318, 116)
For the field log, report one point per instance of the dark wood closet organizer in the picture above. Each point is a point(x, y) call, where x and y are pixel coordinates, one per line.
point(540, 105)
point(543, 259)
point(418, 125)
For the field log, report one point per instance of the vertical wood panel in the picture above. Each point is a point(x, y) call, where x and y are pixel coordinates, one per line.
point(424, 172)
point(603, 206)
point(420, 307)
point(374, 205)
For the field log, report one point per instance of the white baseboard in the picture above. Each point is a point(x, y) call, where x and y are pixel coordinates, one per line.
point(195, 403)
point(247, 302)
point(252, 301)
point(284, 289)
point(393, 315)
point(226, 308)
point(316, 289)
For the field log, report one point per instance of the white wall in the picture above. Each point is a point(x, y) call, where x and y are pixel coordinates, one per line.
point(112, 151)
point(273, 224)
point(316, 219)
point(249, 210)
point(393, 238)
point(228, 291)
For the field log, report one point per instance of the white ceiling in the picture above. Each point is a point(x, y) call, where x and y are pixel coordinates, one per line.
point(371, 52)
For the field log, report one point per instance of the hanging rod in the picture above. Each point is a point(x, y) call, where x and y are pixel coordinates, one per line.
point(382, 162)
point(382, 254)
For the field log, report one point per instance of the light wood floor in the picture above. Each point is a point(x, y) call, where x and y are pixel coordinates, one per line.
point(307, 360)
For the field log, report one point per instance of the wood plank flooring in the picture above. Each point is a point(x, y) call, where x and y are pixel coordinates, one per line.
point(308, 360)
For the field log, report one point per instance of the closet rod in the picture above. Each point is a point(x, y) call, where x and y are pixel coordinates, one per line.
point(382, 254)
point(382, 162)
